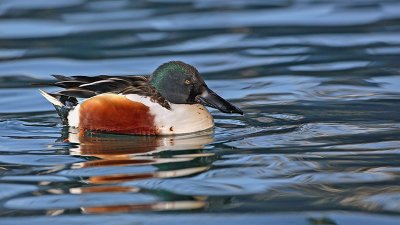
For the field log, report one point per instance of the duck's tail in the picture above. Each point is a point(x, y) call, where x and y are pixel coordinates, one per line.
point(62, 103)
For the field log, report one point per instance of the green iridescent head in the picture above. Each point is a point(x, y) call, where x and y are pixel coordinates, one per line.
point(181, 83)
point(176, 81)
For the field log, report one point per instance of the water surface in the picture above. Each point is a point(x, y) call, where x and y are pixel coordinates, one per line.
point(318, 144)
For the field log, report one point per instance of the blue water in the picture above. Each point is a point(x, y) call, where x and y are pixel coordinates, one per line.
point(318, 81)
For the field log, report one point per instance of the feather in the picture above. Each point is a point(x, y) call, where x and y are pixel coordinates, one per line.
point(62, 103)
point(61, 77)
point(78, 93)
point(87, 87)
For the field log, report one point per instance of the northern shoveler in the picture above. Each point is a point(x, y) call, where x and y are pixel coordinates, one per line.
point(170, 101)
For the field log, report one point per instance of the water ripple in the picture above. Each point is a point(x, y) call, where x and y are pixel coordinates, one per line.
point(318, 82)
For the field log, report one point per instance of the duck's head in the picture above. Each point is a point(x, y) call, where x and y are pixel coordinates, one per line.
point(181, 83)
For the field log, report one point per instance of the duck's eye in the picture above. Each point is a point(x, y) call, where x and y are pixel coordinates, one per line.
point(187, 82)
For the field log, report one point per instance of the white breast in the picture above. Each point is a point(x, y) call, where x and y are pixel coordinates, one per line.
point(181, 119)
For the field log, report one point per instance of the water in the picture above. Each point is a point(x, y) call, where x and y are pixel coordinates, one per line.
point(318, 81)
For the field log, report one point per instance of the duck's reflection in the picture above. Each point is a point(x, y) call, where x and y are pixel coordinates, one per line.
point(167, 204)
point(109, 145)
point(161, 206)
point(168, 156)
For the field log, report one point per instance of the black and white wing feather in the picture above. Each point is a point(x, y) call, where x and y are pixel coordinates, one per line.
point(87, 87)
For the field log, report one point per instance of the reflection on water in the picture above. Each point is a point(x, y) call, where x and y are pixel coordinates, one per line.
point(114, 159)
point(110, 146)
point(149, 156)
point(114, 153)
point(318, 81)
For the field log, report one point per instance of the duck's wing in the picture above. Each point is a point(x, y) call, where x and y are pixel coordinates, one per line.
point(82, 87)
point(86, 87)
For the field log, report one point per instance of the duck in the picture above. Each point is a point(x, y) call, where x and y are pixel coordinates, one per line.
point(170, 101)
